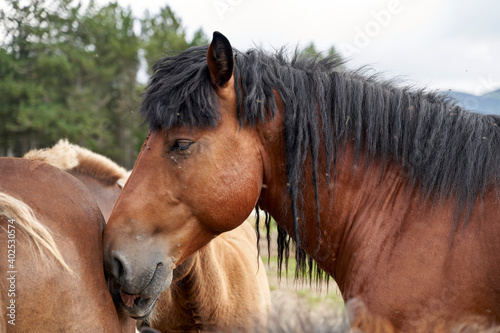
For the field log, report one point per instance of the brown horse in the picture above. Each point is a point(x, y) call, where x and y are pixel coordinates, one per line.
point(53, 279)
point(222, 287)
point(103, 177)
point(393, 192)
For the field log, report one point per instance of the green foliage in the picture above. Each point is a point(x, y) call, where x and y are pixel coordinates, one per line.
point(70, 71)
point(310, 51)
point(164, 33)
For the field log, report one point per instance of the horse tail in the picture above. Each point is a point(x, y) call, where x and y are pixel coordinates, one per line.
point(25, 219)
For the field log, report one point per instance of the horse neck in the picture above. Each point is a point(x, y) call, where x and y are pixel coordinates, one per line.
point(356, 191)
point(367, 202)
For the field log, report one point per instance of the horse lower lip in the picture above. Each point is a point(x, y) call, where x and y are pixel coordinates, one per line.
point(141, 308)
point(128, 299)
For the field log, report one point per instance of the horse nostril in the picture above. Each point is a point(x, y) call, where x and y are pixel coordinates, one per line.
point(118, 267)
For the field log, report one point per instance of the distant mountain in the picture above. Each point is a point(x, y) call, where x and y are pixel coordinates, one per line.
point(488, 103)
point(494, 94)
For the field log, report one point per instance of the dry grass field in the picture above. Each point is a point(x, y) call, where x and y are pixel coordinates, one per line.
point(298, 305)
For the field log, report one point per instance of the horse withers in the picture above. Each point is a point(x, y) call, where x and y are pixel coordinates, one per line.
point(52, 240)
point(223, 287)
point(394, 192)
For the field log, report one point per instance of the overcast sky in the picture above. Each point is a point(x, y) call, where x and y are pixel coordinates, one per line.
point(439, 44)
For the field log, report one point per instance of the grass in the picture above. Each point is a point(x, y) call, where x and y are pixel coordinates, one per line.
point(315, 296)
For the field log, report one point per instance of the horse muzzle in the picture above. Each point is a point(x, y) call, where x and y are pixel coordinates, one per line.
point(138, 306)
point(137, 284)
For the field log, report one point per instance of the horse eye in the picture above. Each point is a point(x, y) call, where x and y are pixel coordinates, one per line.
point(182, 146)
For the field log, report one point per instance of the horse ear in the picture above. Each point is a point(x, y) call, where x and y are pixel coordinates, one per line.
point(220, 60)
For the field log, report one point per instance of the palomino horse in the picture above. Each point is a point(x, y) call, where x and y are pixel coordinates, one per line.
point(393, 192)
point(222, 287)
point(53, 279)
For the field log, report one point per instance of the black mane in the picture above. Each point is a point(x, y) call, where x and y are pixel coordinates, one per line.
point(180, 92)
point(442, 148)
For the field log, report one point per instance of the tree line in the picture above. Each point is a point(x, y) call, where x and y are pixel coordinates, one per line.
point(69, 70)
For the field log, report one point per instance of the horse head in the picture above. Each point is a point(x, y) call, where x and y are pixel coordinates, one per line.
point(194, 177)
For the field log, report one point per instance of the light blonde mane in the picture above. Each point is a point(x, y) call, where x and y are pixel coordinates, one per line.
point(71, 157)
point(26, 220)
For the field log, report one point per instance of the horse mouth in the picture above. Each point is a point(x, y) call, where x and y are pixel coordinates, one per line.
point(136, 306)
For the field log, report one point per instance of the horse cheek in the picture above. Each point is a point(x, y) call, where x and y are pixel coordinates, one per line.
point(231, 196)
